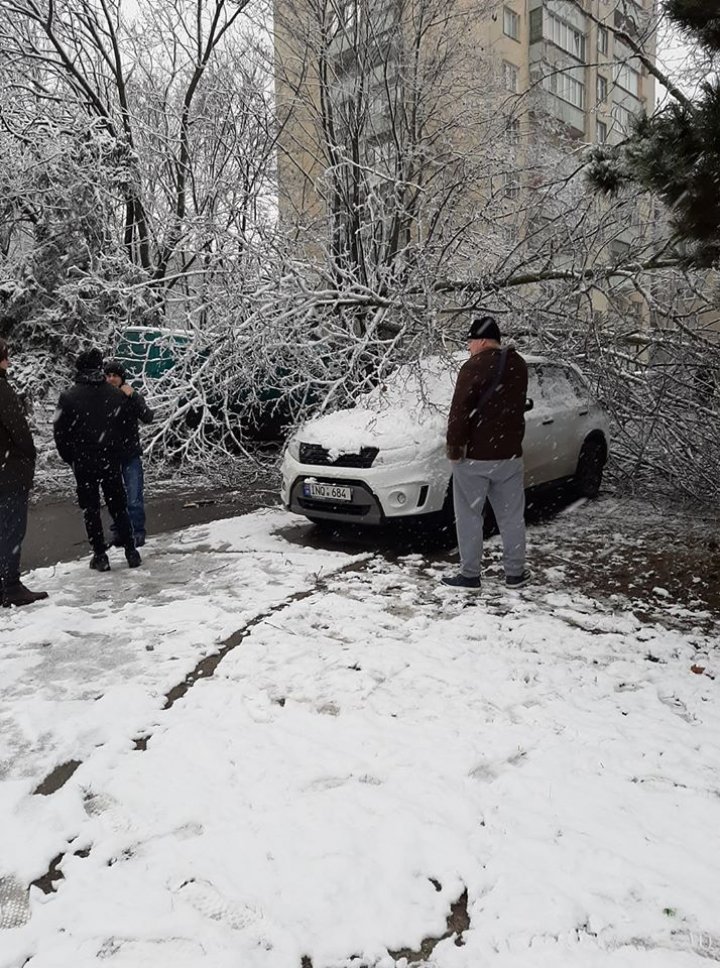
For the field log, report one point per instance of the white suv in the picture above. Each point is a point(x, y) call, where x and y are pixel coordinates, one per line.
point(385, 459)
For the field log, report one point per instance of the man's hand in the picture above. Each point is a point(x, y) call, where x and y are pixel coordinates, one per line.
point(455, 454)
point(127, 389)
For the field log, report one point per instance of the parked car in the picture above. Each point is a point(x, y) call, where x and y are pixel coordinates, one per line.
point(151, 351)
point(384, 460)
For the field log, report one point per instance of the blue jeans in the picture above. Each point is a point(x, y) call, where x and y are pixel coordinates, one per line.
point(13, 523)
point(132, 472)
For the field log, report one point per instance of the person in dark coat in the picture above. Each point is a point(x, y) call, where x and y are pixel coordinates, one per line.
point(17, 469)
point(88, 434)
point(485, 431)
point(134, 412)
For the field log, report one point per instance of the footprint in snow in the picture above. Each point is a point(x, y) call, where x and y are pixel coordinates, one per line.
point(208, 901)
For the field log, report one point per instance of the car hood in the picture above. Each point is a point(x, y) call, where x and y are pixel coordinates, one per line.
point(394, 431)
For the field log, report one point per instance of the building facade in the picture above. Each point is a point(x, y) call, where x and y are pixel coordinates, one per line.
point(435, 126)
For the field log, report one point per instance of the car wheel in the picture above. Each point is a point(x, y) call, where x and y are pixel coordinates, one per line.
point(588, 476)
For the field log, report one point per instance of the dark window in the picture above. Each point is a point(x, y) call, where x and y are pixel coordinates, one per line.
point(602, 40)
point(536, 25)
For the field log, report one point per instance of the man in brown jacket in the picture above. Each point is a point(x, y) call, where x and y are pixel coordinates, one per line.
point(17, 467)
point(484, 444)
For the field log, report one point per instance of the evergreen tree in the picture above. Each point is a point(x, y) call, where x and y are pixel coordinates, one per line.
point(675, 154)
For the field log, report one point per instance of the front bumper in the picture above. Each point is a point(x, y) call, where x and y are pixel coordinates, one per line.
point(380, 495)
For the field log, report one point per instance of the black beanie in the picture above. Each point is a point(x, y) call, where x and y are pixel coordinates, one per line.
point(89, 360)
point(484, 327)
point(115, 367)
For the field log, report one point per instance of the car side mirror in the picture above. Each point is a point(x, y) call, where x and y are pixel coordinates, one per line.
point(529, 404)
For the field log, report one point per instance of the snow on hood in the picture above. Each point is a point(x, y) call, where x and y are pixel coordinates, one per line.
point(346, 431)
point(408, 411)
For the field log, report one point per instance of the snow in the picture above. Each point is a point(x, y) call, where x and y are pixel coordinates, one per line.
point(402, 434)
point(406, 414)
point(372, 747)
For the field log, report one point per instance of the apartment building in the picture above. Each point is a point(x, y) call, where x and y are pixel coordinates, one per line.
point(589, 77)
point(374, 94)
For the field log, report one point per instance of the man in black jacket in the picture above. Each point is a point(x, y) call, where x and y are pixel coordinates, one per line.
point(17, 469)
point(134, 412)
point(88, 435)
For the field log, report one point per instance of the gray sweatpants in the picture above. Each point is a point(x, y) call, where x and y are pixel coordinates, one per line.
point(502, 483)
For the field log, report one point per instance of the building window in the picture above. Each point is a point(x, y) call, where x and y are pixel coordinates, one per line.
point(628, 78)
point(602, 88)
point(511, 77)
point(511, 184)
point(601, 132)
point(622, 118)
point(343, 14)
point(628, 20)
point(602, 40)
point(511, 23)
point(566, 87)
point(513, 131)
point(536, 25)
point(381, 157)
point(564, 36)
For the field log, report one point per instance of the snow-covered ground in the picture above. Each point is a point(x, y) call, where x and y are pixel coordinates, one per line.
point(374, 763)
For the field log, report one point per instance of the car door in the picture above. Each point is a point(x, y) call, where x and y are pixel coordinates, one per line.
point(537, 432)
point(560, 420)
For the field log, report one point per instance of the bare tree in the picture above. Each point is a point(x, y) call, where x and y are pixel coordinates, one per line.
point(143, 82)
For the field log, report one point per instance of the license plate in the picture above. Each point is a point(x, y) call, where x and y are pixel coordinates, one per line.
point(327, 492)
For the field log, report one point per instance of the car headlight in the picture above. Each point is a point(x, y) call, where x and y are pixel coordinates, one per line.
point(293, 448)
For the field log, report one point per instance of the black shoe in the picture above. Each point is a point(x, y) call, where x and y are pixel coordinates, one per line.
point(133, 556)
point(461, 581)
point(17, 595)
point(99, 562)
point(517, 581)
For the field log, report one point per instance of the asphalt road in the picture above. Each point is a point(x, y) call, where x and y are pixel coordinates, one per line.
point(56, 531)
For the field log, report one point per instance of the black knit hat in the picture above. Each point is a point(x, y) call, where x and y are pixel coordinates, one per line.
point(115, 368)
point(89, 360)
point(484, 327)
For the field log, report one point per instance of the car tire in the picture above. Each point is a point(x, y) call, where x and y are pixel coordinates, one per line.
point(589, 473)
